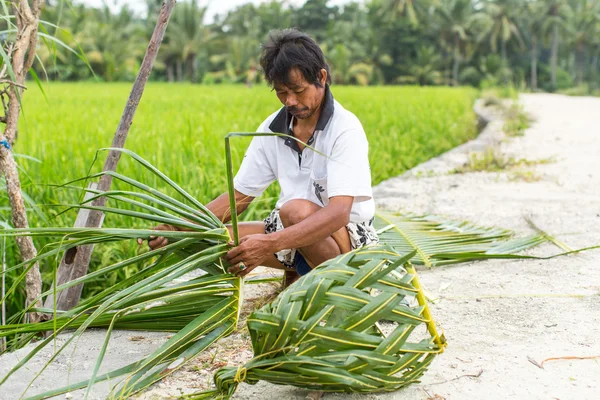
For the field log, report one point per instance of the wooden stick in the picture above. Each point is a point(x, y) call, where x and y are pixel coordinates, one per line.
point(81, 255)
point(27, 22)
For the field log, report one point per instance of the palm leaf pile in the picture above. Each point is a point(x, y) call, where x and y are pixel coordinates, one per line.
point(200, 310)
point(438, 241)
point(350, 325)
point(324, 331)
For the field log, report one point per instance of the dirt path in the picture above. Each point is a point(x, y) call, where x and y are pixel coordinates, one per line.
point(494, 314)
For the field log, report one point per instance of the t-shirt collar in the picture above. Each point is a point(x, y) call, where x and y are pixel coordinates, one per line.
point(281, 122)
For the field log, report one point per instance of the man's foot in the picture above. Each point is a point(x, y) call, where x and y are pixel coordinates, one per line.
point(289, 277)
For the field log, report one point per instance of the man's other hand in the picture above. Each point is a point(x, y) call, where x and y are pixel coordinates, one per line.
point(252, 251)
point(156, 242)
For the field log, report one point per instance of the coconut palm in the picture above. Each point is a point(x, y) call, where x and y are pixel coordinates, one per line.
point(534, 20)
point(582, 25)
point(413, 9)
point(426, 68)
point(455, 20)
point(498, 24)
point(185, 38)
point(113, 43)
point(556, 12)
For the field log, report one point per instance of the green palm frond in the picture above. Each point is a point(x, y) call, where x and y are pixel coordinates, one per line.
point(348, 326)
point(201, 310)
point(438, 241)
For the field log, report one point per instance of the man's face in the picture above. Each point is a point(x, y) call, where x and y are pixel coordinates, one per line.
point(300, 97)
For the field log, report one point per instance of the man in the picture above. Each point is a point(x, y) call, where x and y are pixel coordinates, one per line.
point(325, 206)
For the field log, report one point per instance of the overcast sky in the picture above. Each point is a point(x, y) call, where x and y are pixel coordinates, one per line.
point(214, 6)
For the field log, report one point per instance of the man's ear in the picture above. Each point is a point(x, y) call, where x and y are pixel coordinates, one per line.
point(323, 77)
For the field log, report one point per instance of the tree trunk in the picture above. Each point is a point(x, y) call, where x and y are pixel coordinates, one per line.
point(456, 62)
point(194, 69)
point(82, 254)
point(33, 279)
point(534, 63)
point(170, 75)
point(504, 61)
point(27, 21)
point(179, 70)
point(579, 61)
point(67, 271)
point(594, 72)
point(554, 55)
point(190, 70)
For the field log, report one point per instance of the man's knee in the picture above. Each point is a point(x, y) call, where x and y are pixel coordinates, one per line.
point(297, 210)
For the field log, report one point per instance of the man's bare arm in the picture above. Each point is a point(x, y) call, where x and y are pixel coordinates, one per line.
point(254, 248)
point(220, 205)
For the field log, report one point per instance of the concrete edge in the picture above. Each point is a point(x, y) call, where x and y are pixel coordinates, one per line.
point(490, 135)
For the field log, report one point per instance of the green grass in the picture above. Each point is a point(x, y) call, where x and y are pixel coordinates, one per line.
point(516, 120)
point(491, 160)
point(180, 128)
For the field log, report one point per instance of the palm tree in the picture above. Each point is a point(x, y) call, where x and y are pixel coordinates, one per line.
point(582, 25)
point(555, 13)
point(413, 9)
point(113, 43)
point(185, 38)
point(426, 68)
point(454, 24)
point(498, 23)
point(534, 20)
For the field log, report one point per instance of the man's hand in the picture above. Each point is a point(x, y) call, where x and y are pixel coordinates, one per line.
point(156, 242)
point(252, 251)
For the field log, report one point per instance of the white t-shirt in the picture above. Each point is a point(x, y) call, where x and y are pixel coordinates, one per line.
point(345, 171)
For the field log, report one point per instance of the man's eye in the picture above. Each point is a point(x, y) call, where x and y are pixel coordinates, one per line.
point(299, 91)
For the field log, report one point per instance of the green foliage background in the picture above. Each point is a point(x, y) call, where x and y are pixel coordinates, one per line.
point(546, 45)
point(180, 129)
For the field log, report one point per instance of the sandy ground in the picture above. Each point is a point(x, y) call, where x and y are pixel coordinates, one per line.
point(496, 315)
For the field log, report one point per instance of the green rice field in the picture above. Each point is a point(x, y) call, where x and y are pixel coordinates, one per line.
point(180, 129)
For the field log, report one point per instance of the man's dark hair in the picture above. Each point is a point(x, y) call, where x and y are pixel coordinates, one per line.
point(287, 49)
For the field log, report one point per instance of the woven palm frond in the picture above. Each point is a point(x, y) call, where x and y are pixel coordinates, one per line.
point(438, 241)
point(351, 325)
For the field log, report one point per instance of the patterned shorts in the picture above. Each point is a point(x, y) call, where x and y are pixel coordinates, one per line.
point(361, 234)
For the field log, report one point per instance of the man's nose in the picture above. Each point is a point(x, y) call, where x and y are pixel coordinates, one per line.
point(291, 100)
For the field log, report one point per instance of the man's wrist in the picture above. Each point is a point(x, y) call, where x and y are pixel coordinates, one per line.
point(275, 239)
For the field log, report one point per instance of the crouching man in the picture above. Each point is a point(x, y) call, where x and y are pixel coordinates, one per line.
point(325, 207)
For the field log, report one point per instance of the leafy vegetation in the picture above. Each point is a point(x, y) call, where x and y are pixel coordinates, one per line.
point(516, 120)
point(201, 310)
point(491, 160)
point(539, 44)
point(347, 326)
point(180, 128)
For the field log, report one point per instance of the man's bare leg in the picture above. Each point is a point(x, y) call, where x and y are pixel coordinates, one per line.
point(338, 243)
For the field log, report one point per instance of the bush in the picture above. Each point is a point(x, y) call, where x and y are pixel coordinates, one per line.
point(581, 90)
point(563, 79)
